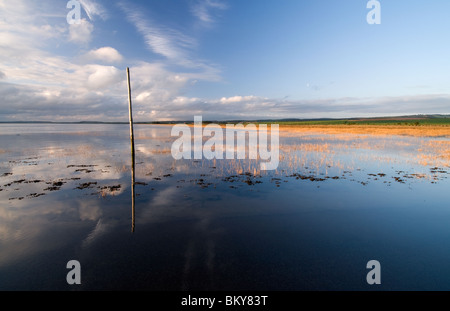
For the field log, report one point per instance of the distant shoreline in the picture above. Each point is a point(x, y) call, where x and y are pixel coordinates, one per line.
point(414, 120)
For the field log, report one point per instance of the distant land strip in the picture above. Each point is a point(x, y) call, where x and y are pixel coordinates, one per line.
point(411, 120)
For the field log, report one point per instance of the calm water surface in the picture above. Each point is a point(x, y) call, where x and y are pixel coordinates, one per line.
point(333, 204)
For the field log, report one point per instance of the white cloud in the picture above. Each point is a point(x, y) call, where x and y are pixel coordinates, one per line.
point(22, 26)
point(101, 77)
point(105, 54)
point(82, 32)
point(37, 84)
point(237, 99)
point(144, 96)
point(153, 84)
point(181, 100)
point(253, 107)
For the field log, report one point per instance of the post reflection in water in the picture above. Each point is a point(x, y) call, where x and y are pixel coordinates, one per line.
point(133, 195)
point(220, 224)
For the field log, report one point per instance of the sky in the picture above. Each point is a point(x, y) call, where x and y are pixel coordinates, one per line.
point(222, 59)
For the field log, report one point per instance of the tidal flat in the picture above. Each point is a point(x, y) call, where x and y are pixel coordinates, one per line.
point(340, 197)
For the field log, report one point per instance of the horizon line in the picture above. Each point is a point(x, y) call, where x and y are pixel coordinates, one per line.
point(417, 116)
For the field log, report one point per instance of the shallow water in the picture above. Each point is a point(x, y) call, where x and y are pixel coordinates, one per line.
point(334, 203)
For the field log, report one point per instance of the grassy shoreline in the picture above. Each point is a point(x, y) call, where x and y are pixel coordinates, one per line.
point(396, 122)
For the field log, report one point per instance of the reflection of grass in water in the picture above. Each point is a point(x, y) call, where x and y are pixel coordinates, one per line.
point(56, 152)
point(162, 151)
point(326, 143)
point(430, 152)
point(311, 155)
point(303, 153)
point(385, 130)
point(306, 147)
point(145, 136)
point(434, 153)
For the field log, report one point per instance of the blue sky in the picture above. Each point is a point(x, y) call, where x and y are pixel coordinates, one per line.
point(223, 59)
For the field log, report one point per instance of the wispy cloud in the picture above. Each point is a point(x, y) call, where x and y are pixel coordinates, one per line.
point(162, 40)
point(93, 9)
point(204, 10)
point(177, 47)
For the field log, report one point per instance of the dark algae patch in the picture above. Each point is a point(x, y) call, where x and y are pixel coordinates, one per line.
point(111, 188)
point(86, 185)
point(35, 195)
point(55, 185)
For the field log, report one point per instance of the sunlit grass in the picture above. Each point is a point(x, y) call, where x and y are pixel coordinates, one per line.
point(385, 130)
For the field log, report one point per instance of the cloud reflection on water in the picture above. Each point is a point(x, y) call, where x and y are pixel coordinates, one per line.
point(93, 199)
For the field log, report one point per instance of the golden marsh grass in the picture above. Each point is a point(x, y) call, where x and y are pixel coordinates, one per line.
point(423, 130)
